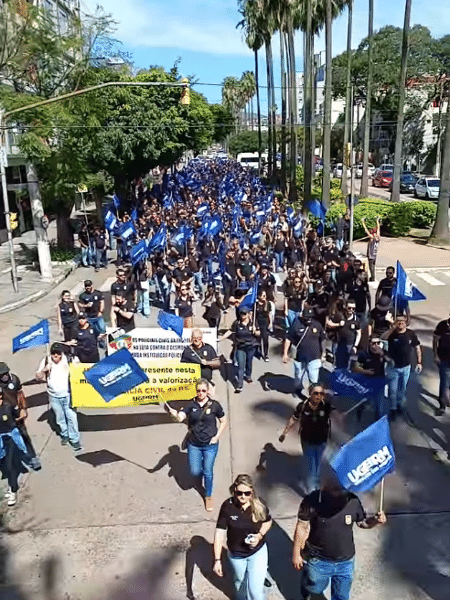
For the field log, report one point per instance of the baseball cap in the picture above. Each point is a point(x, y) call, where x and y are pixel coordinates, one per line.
point(3, 368)
point(82, 315)
point(308, 313)
point(87, 283)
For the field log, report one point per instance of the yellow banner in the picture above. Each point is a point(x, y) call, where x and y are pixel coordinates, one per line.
point(167, 380)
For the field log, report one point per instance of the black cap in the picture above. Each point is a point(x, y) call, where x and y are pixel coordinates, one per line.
point(82, 315)
point(308, 313)
point(3, 368)
point(384, 303)
point(87, 283)
point(244, 310)
point(55, 348)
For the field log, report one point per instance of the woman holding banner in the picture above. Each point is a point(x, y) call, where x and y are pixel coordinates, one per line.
point(202, 414)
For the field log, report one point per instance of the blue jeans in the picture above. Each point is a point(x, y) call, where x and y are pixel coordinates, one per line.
point(66, 417)
point(306, 368)
point(318, 573)
point(244, 358)
point(249, 574)
point(444, 382)
point(100, 258)
point(289, 320)
point(98, 324)
point(397, 381)
point(279, 261)
point(143, 305)
point(313, 454)
point(85, 256)
point(198, 281)
point(339, 244)
point(201, 463)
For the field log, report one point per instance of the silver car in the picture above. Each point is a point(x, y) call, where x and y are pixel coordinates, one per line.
point(428, 188)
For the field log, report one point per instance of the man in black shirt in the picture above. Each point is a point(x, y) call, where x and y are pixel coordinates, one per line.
point(100, 244)
point(245, 269)
point(122, 314)
point(319, 301)
point(370, 363)
point(199, 353)
point(92, 302)
point(441, 351)
point(381, 317)
point(122, 288)
point(85, 341)
point(324, 534)
point(401, 342)
point(348, 335)
point(386, 285)
point(359, 292)
point(307, 335)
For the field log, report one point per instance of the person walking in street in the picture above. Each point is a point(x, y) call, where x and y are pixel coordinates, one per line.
point(348, 334)
point(201, 354)
point(372, 245)
point(92, 302)
point(245, 344)
point(85, 341)
point(67, 315)
point(54, 370)
point(307, 335)
point(323, 541)
point(313, 419)
point(202, 415)
point(100, 246)
point(401, 342)
point(386, 285)
point(441, 352)
point(243, 523)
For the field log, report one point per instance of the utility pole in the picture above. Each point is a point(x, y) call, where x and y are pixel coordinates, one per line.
point(352, 171)
point(38, 213)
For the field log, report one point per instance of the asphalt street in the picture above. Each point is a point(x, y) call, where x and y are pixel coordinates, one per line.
point(122, 520)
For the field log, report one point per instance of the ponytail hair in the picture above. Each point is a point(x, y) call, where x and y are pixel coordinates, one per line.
point(259, 510)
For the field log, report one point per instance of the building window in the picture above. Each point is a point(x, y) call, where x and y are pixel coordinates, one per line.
point(48, 6)
point(63, 20)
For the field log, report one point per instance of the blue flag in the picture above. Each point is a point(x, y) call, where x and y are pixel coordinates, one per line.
point(158, 241)
point(171, 322)
point(404, 287)
point(366, 459)
point(317, 209)
point(253, 238)
point(115, 375)
point(116, 201)
point(134, 214)
point(182, 235)
point(127, 230)
point(290, 213)
point(138, 252)
point(355, 385)
point(250, 297)
point(38, 335)
point(110, 221)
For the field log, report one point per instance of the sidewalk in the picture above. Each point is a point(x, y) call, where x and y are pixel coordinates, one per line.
point(31, 285)
point(412, 254)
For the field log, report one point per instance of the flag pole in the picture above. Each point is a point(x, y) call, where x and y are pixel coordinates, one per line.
point(382, 495)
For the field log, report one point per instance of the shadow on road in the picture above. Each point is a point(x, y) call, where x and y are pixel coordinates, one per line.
point(177, 461)
point(200, 555)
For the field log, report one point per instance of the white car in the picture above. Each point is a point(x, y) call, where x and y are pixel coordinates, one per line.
point(428, 188)
point(359, 170)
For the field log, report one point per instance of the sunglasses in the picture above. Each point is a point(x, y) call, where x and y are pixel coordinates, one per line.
point(202, 390)
point(318, 393)
point(242, 493)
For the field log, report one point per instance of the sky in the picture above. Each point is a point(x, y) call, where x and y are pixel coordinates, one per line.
point(203, 34)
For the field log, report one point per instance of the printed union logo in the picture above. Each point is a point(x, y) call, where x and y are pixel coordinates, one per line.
point(124, 341)
point(116, 375)
point(346, 380)
point(370, 465)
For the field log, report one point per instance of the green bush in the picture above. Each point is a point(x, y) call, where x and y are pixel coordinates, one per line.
point(62, 254)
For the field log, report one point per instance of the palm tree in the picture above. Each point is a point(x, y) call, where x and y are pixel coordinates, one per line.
point(348, 97)
point(440, 232)
point(231, 97)
point(327, 106)
point(367, 115)
point(398, 162)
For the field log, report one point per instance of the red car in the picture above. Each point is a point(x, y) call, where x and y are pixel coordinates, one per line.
point(382, 179)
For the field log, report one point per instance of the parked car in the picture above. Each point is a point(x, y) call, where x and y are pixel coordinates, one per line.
point(428, 188)
point(386, 167)
point(382, 178)
point(359, 170)
point(337, 171)
point(407, 183)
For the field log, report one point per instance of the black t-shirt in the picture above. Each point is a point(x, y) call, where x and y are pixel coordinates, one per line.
point(331, 519)
point(400, 347)
point(125, 290)
point(379, 322)
point(230, 267)
point(308, 339)
point(86, 348)
point(359, 294)
point(347, 333)
point(319, 303)
point(386, 286)
point(268, 284)
point(295, 298)
point(375, 362)
point(68, 313)
point(280, 245)
point(330, 256)
point(94, 298)
point(314, 424)
point(264, 260)
point(202, 423)
point(442, 331)
point(8, 416)
point(126, 323)
point(239, 524)
point(184, 308)
point(193, 355)
point(243, 337)
point(183, 274)
point(100, 241)
point(10, 389)
point(246, 268)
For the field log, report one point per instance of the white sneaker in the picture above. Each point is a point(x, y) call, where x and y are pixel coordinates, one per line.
point(8, 493)
point(12, 499)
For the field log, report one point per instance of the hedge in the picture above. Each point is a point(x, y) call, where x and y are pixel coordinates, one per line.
point(397, 218)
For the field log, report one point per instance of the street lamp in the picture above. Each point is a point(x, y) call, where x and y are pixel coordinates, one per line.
point(3, 154)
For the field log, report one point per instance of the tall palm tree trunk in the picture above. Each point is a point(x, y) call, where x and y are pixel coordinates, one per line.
point(293, 114)
point(258, 111)
point(268, 49)
point(440, 232)
point(368, 113)
point(273, 111)
point(398, 161)
point(327, 107)
point(313, 107)
point(348, 108)
point(307, 94)
point(283, 113)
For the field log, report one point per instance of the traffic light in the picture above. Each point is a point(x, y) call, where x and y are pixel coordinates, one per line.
point(13, 221)
point(185, 93)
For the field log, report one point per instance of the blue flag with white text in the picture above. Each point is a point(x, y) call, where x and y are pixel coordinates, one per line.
point(115, 374)
point(110, 221)
point(363, 461)
point(158, 241)
point(250, 297)
point(355, 385)
point(38, 335)
point(138, 252)
point(171, 322)
point(404, 288)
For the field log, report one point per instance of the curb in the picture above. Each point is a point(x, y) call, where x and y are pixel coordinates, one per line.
point(41, 293)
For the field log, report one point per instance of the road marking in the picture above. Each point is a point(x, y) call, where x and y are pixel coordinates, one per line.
point(445, 273)
point(75, 291)
point(429, 279)
point(106, 286)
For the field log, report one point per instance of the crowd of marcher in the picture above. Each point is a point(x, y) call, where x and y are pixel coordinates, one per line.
point(215, 238)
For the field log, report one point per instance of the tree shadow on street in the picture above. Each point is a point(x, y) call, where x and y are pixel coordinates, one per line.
point(200, 555)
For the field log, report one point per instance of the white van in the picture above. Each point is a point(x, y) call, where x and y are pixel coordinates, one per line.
point(250, 160)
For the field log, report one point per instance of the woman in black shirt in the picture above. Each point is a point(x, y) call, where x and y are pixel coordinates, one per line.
point(244, 521)
point(313, 419)
point(202, 414)
point(264, 322)
point(183, 305)
point(67, 316)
